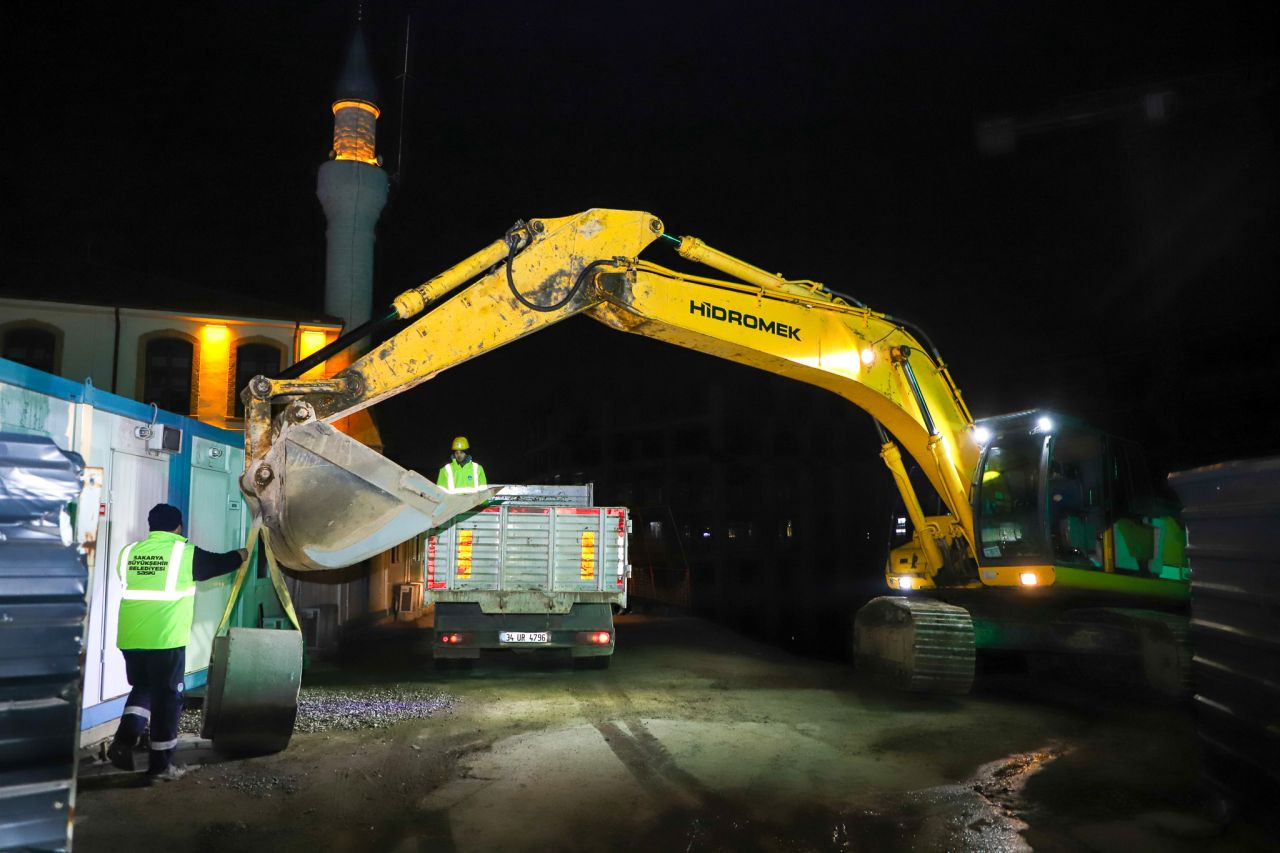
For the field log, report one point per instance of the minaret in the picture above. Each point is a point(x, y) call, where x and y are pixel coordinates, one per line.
point(352, 190)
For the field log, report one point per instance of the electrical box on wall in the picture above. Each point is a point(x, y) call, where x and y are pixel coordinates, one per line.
point(161, 438)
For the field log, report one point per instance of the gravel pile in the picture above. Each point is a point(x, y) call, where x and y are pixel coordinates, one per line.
point(323, 709)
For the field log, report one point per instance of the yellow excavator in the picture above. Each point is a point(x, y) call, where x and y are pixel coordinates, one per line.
point(1047, 538)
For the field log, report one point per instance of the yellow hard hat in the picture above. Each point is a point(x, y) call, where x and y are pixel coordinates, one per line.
point(461, 443)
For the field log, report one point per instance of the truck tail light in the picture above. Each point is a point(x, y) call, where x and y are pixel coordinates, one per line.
point(600, 638)
point(453, 639)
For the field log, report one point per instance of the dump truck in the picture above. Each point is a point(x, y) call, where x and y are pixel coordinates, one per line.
point(1039, 522)
point(537, 570)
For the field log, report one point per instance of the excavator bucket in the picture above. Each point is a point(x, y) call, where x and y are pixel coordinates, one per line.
point(330, 502)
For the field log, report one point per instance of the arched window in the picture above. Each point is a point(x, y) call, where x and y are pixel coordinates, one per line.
point(253, 359)
point(167, 370)
point(33, 345)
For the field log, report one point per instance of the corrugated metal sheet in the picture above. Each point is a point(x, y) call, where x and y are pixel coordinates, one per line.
point(43, 604)
point(1233, 543)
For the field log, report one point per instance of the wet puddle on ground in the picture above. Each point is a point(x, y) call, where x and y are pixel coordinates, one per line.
point(980, 814)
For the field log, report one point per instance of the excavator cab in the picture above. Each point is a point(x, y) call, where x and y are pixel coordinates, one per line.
point(1052, 491)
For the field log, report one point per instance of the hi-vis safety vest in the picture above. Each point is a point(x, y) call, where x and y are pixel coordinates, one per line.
point(462, 478)
point(158, 600)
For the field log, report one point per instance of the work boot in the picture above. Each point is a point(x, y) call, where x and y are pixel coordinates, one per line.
point(121, 756)
point(172, 773)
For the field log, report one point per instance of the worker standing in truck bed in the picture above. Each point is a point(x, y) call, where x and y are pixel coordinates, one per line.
point(462, 473)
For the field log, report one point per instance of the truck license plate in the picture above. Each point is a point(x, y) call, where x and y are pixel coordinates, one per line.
point(523, 636)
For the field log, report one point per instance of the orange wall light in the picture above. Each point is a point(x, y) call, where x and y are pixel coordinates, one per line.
point(309, 341)
point(214, 334)
point(215, 368)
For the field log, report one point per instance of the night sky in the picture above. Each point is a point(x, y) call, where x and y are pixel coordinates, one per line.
point(1115, 266)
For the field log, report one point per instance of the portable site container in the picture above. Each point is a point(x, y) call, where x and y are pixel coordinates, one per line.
point(148, 456)
point(537, 569)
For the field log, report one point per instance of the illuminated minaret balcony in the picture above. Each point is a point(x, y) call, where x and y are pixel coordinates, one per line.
point(355, 131)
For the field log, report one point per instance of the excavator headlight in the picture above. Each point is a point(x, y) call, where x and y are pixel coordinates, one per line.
point(1044, 424)
point(1028, 578)
point(868, 357)
point(906, 582)
point(981, 435)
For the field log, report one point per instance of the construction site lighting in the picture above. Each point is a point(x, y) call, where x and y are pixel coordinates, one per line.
point(906, 582)
point(1044, 424)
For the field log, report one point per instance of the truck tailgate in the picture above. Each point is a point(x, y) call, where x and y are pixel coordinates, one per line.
point(581, 550)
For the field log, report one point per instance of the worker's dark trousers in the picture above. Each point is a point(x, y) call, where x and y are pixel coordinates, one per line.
point(156, 678)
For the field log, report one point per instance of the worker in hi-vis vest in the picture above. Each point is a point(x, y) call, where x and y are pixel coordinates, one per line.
point(462, 473)
point(157, 604)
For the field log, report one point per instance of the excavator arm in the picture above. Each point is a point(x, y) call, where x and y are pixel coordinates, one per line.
point(331, 502)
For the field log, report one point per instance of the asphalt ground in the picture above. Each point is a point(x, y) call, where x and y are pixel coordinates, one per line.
point(696, 739)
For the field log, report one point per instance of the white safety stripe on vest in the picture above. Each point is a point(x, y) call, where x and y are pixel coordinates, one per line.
point(175, 563)
point(122, 565)
point(156, 594)
point(157, 745)
point(448, 471)
point(138, 711)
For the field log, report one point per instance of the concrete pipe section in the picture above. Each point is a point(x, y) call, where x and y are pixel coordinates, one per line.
point(252, 698)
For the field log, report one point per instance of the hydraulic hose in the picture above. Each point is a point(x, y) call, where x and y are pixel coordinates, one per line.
point(514, 244)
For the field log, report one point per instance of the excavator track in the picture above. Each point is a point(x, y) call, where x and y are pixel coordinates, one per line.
point(1163, 643)
point(915, 644)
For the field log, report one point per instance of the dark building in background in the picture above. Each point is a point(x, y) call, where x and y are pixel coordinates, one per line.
point(756, 500)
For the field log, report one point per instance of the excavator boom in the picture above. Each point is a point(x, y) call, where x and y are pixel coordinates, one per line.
point(332, 502)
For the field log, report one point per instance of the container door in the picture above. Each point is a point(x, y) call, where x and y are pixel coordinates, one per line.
point(137, 484)
point(217, 515)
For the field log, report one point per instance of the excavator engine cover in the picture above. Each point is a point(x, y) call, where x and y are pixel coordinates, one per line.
point(330, 502)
